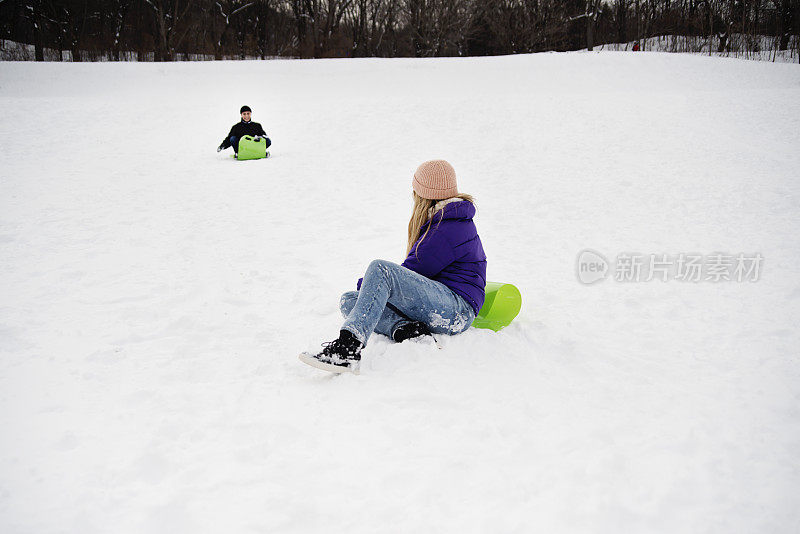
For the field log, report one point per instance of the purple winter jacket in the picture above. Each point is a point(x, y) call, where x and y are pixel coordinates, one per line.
point(452, 253)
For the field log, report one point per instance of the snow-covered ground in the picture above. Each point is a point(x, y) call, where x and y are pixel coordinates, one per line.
point(761, 48)
point(154, 296)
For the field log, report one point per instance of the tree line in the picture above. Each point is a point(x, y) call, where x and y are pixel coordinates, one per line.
point(172, 30)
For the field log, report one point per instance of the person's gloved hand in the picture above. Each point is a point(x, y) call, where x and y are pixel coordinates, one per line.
point(219, 148)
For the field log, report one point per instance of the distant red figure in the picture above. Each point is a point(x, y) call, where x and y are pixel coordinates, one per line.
point(636, 47)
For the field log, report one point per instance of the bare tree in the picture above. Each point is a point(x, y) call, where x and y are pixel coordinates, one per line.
point(169, 18)
point(592, 12)
point(225, 12)
point(438, 27)
point(784, 8)
point(622, 20)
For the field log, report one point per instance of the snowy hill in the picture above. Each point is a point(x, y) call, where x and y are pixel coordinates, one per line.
point(154, 296)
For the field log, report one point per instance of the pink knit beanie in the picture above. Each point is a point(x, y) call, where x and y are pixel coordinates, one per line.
point(435, 180)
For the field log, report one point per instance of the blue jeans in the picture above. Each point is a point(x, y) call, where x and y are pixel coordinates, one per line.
point(391, 295)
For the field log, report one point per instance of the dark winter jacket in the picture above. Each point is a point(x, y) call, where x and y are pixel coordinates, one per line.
point(243, 128)
point(452, 253)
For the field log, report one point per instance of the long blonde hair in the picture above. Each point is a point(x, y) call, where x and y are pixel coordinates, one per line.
point(421, 213)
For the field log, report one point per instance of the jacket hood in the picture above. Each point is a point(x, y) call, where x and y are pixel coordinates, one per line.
point(464, 210)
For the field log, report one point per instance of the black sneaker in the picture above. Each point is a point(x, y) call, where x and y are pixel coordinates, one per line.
point(337, 356)
point(410, 330)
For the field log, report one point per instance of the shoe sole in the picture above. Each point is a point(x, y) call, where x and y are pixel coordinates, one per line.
point(309, 359)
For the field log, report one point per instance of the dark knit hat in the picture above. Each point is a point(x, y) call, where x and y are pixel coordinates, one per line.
point(245, 108)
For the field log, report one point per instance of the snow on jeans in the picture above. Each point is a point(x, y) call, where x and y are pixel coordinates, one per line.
point(391, 294)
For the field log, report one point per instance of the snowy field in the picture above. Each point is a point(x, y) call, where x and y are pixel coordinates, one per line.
point(154, 295)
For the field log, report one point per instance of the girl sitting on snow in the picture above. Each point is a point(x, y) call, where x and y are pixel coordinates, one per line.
point(438, 289)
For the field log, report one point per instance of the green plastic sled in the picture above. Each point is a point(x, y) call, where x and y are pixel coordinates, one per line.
point(249, 148)
point(502, 304)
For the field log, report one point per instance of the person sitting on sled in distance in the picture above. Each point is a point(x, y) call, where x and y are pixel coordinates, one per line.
point(438, 289)
point(242, 128)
